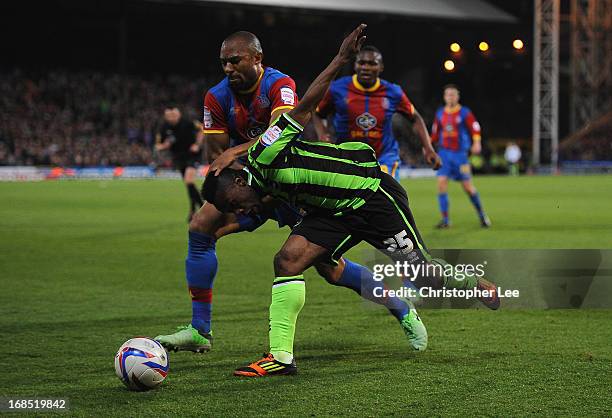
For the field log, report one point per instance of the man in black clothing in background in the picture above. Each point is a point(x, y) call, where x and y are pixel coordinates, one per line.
point(183, 138)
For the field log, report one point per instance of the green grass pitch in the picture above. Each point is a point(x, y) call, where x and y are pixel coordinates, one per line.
point(85, 265)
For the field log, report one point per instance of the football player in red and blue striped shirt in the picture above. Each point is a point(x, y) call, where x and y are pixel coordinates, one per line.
point(363, 106)
point(457, 132)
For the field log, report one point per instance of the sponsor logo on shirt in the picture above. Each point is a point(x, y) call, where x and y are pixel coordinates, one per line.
point(271, 135)
point(287, 96)
point(207, 118)
point(385, 103)
point(366, 121)
point(359, 134)
point(255, 131)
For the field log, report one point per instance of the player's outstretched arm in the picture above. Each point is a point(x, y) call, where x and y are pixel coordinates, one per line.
point(349, 48)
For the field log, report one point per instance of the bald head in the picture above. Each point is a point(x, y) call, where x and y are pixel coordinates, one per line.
point(247, 39)
point(241, 57)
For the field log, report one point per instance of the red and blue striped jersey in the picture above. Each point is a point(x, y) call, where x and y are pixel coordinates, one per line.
point(246, 115)
point(455, 128)
point(365, 114)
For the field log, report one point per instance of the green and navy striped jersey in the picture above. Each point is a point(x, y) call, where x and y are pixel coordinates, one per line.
point(315, 176)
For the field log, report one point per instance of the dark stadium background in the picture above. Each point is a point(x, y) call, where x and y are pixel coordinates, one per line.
point(93, 232)
point(148, 39)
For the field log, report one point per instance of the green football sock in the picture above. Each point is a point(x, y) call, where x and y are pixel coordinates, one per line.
point(452, 282)
point(288, 296)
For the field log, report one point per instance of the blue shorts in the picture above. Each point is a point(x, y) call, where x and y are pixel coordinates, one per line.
point(390, 165)
point(284, 214)
point(455, 165)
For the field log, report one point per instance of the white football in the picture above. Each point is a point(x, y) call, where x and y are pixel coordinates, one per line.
point(141, 363)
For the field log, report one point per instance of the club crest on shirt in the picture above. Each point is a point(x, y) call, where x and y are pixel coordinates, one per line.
point(366, 121)
point(458, 120)
point(263, 101)
point(385, 103)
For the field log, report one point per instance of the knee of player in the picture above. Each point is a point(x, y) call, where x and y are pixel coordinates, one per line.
point(287, 263)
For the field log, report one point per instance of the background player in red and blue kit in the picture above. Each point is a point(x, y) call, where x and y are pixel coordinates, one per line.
point(363, 106)
point(457, 132)
point(237, 111)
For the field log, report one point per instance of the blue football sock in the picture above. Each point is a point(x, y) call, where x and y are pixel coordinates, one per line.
point(443, 203)
point(360, 279)
point(200, 269)
point(475, 198)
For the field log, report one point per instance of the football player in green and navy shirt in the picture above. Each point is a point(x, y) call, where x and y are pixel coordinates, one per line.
point(347, 199)
point(236, 112)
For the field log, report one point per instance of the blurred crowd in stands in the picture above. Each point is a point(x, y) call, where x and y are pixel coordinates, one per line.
point(87, 118)
point(79, 119)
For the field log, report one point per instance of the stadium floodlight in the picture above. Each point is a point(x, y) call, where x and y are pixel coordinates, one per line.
point(449, 65)
point(483, 46)
point(518, 44)
point(455, 47)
